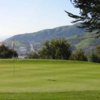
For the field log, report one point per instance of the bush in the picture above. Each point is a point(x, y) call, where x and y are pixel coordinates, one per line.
point(94, 58)
point(78, 55)
point(95, 55)
point(97, 51)
point(34, 55)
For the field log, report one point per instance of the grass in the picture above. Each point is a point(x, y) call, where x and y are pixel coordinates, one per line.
point(86, 95)
point(49, 80)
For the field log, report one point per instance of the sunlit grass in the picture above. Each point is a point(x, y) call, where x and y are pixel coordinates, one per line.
point(49, 80)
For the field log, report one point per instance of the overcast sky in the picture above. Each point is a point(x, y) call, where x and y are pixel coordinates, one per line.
point(24, 16)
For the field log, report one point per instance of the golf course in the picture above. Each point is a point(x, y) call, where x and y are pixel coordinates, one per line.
point(49, 80)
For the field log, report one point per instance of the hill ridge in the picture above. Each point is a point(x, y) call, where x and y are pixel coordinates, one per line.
point(76, 36)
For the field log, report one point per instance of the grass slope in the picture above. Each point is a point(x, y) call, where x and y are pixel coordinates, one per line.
point(49, 80)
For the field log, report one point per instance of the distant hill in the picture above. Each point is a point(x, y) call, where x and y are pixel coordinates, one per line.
point(77, 37)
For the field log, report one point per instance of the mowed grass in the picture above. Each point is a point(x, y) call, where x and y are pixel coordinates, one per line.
point(49, 80)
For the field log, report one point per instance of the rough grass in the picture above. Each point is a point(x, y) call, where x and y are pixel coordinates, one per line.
point(49, 80)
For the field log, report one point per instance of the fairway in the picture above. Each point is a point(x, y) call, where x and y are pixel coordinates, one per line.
point(49, 80)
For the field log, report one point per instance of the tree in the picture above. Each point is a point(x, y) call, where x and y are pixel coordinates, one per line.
point(89, 14)
point(5, 52)
point(78, 55)
point(56, 49)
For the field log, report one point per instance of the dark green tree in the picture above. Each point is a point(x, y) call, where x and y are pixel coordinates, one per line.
point(89, 14)
point(56, 49)
point(5, 52)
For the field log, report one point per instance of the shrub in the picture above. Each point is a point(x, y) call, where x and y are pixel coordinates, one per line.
point(33, 55)
point(94, 58)
point(78, 55)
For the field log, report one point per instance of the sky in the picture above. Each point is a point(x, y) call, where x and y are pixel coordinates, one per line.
point(25, 16)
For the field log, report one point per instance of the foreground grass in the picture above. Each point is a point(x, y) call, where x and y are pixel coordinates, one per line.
point(86, 95)
point(49, 80)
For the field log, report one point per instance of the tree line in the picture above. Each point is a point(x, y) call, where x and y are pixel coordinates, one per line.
point(61, 49)
point(6, 53)
point(55, 49)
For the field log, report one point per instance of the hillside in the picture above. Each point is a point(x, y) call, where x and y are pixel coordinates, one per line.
point(78, 38)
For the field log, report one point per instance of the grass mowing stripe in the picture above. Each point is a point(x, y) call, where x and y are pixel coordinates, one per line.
point(49, 80)
point(86, 95)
